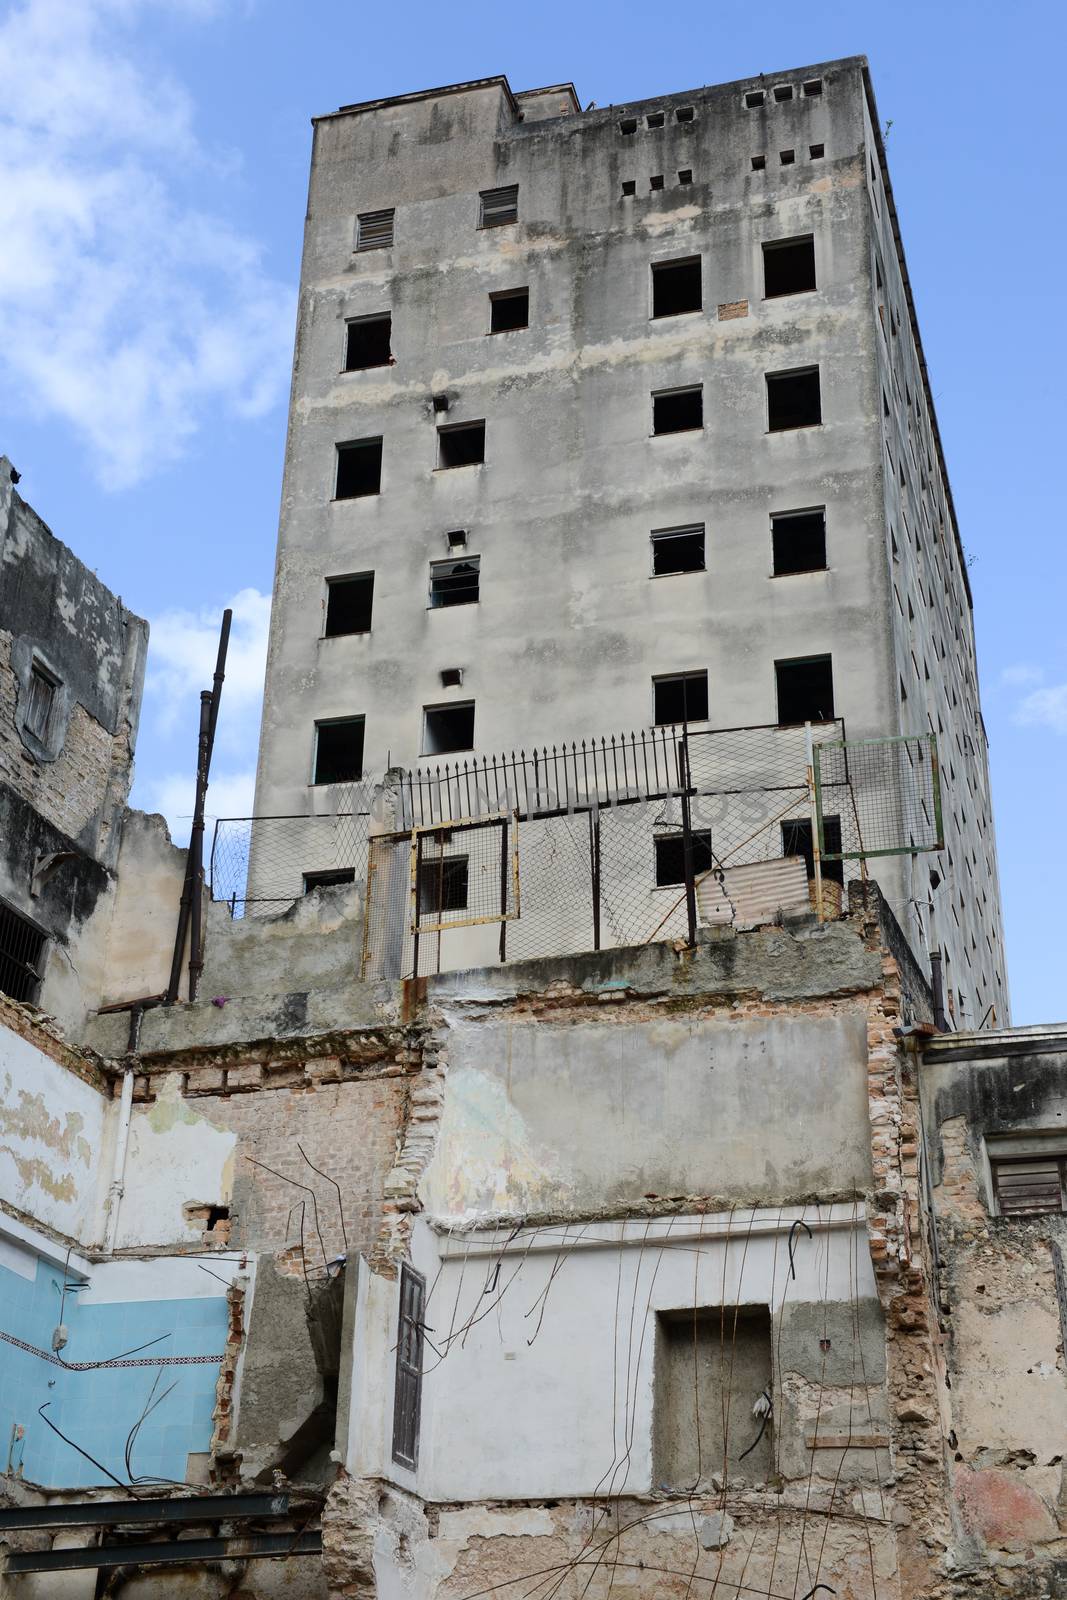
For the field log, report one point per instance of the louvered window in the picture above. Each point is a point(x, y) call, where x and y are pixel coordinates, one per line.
point(21, 945)
point(1029, 1185)
point(500, 205)
point(407, 1402)
point(41, 701)
point(374, 230)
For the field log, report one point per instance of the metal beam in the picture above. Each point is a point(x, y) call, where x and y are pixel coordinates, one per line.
point(251, 1546)
point(112, 1513)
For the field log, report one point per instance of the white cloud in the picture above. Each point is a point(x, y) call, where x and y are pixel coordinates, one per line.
point(1045, 708)
point(1021, 675)
point(230, 794)
point(124, 309)
point(182, 649)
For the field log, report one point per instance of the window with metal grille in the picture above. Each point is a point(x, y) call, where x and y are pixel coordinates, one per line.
point(1031, 1184)
point(499, 205)
point(443, 884)
point(407, 1399)
point(374, 230)
point(42, 699)
point(21, 948)
point(454, 583)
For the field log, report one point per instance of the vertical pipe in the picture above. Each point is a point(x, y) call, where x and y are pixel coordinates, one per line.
point(687, 840)
point(937, 988)
point(196, 847)
point(816, 847)
point(118, 1169)
point(594, 865)
point(504, 890)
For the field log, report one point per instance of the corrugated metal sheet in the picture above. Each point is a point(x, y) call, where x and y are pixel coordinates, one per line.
point(757, 892)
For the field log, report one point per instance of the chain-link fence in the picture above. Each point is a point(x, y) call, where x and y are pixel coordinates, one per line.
point(892, 792)
point(266, 863)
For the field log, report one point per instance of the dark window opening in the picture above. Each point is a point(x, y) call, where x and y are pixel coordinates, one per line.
point(783, 91)
point(805, 690)
point(793, 400)
point(462, 445)
point(407, 1396)
point(654, 119)
point(367, 344)
point(789, 267)
point(451, 677)
point(448, 728)
point(712, 1364)
point(670, 857)
point(799, 541)
point(676, 287)
point(339, 750)
point(678, 550)
point(359, 469)
point(758, 163)
point(1030, 1186)
point(754, 99)
point(21, 948)
point(685, 176)
point(348, 604)
point(509, 309)
point(787, 157)
point(680, 698)
point(629, 186)
point(374, 230)
point(816, 151)
point(456, 538)
point(813, 86)
point(454, 583)
point(499, 205)
point(628, 125)
point(328, 880)
point(41, 703)
point(656, 182)
point(684, 114)
point(678, 410)
point(443, 883)
point(797, 841)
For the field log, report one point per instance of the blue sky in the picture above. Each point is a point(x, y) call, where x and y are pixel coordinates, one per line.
point(153, 170)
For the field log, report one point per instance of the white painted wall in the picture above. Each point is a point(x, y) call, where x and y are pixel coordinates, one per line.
point(176, 1157)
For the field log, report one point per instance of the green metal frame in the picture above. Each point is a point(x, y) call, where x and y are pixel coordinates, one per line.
point(929, 739)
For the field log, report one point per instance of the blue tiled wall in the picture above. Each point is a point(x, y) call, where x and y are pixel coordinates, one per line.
point(99, 1408)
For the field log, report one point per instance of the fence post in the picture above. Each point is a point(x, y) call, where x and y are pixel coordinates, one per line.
point(813, 803)
point(504, 890)
point(594, 869)
point(687, 842)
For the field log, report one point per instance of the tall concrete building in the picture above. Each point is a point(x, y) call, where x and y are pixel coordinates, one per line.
point(616, 417)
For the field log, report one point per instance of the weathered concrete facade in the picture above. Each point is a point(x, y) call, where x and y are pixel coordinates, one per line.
point(572, 624)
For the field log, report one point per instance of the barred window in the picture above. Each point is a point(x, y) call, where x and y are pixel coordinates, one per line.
point(21, 948)
point(374, 230)
point(407, 1402)
point(499, 206)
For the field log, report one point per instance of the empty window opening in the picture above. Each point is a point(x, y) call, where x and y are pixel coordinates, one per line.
point(1029, 1185)
point(454, 583)
point(656, 182)
point(754, 99)
point(783, 91)
point(509, 309)
point(367, 343)
point(676, 410)
point(499, 206)
point(684, 114)
point(712, 1365)
point(359, 469)
point(793, 400)
point(789, 266)
point(407, 1394)
point(787, 157)
point(797, 841)
point(813, 86)
point(654, 119)
point(678, 550)
point(349, 602)
point(447, 728)
point(443, 885)
point(682, 697)
point(805, 690)
point(21, 948)
point(798, 539)
point(339, 750)
point(329, 880)
point(629, 186)
point(670, 857)
point(816, 151)
point(41, 703)
point(685, 176)
point(758, 163)
point(628, 125)
point(676, 287)
point(451, 677)
point(461, 445)
point(374, 230)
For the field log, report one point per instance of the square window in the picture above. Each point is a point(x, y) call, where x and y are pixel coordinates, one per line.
point(374, 230)
point(677, 410)
point(670, 857)
point(367, 343)
point(656, 182)
point(754, 99)
point(328, 880)
point(454, 583)
point(21, 949)
point(789, 266)
point(348, 604)
point(443, 884)
point(793, 400)
point(628, 125)
point(676, 287)
point(629, 186)
point(759, 163)
point(41, 703)
point(797, 841)
point(359, 469)
point(447, 728)
point(787, 157)
point(654, 119)
point(683, 697)
point(509, 309)
point(339, 750)
point(678, 550)
point(461, 445)
point(499, 206)
point(798, 539)
point(816, 151)
point(805, 690)
point(783, 91)
point(813, 87)
point(685, 176)
point(684, 114)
